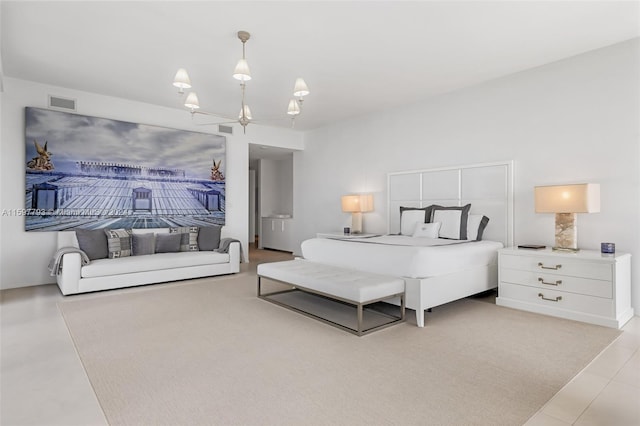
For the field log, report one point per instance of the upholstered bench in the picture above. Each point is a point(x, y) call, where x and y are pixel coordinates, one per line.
point(347, 286)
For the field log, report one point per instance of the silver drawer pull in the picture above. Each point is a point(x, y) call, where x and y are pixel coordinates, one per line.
point(542, 281)
point(557, 299)
point(540, 264)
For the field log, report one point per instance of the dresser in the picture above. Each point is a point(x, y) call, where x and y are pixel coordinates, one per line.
point(584, 286)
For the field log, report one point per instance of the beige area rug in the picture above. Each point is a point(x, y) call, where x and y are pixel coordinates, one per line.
point(210, 352)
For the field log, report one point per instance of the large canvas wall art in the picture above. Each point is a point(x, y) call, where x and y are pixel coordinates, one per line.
point(89, 172)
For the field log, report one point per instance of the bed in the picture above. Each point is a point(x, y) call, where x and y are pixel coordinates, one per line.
point(436, 270)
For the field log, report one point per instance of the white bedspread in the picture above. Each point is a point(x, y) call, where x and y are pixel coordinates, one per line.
point(402, 256)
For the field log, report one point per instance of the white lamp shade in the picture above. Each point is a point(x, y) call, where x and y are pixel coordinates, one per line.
point(578, 198)
point(181, 80)
point(247, 112)
point(192, 101)
point(242, 71)
point(357, 203)
point(294, 107)
point(300, 88)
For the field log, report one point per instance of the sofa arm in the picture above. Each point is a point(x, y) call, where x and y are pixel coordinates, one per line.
point(68, 277)
point(234, 256)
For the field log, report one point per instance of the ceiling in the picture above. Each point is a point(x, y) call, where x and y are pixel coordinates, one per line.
point(357, 57)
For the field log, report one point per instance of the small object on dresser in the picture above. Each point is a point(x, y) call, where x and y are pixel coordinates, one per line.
point(531, 246)
point(608, 249)
point(347, 230)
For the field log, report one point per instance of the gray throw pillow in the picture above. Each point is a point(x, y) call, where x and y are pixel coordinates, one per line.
point(118, 242)
point(209, 237)
point(188, 237)
point(167, 243)
point(93, 243)
point(143, 244)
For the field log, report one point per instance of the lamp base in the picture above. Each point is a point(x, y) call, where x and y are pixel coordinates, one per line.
point(566, 250)
point(356, 223)
point(566, 232)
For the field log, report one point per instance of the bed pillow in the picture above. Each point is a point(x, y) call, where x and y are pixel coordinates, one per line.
point(209, 237)
point(453, 219)
point(93, 243)
point(409, 216)
point(188, 237)
point(118, 242)
point(142, 244)
point(428, 230)
point(168, 243)
point(475, 226)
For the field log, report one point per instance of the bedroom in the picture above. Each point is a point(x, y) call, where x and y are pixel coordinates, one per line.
point(571, 120)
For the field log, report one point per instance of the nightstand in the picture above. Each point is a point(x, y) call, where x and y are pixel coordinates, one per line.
point(584, 286)
point(342, 236)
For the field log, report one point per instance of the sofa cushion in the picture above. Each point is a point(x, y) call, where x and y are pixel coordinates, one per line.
point(93, 243)
point(118, 242)
point(188, 237)
point(209, 237)
point(152, 262)
point(142, 244)
point(167, 243)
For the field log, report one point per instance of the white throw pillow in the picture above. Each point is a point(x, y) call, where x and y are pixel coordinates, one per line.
point(450, 220)
point(409, 219)
point(428, 230)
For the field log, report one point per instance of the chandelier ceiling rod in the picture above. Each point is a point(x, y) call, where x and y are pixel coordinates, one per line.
point(242, 73)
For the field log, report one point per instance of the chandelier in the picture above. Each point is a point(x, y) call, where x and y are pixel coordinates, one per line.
point(243, 74)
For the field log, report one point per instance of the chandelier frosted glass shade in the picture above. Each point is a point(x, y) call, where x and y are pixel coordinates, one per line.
point(181, 80)
point(242, 71)
point(300, 89)
point(192, 101)
point(247, 113)
point(294, 107)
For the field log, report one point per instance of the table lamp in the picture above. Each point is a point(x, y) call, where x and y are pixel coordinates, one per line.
point(356, 205)
point(565, 201)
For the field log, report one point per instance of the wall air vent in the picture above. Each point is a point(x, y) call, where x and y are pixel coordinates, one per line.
point(225, 129)
point(66, 104)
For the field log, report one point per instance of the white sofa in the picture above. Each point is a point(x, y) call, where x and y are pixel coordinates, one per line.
point(105, 274)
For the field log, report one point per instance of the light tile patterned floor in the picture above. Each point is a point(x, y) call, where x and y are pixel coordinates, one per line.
point(606, 392)
point(43, 382)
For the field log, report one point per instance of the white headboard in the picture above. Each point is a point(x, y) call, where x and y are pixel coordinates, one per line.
point(488, 187)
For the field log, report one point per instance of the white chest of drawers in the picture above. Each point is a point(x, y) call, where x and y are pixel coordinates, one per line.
point(583, 286)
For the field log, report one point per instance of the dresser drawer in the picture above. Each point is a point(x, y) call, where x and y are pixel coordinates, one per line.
point(559, 266)
point(553, 299)
point(599, 288)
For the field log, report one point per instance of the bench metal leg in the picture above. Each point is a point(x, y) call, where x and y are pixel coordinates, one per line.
point(359, 330)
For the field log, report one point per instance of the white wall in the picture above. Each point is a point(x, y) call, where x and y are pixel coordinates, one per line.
point(572, 121)
point(24, 256)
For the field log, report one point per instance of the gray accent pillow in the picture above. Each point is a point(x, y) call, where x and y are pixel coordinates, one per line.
point(209, 237)
point(168, 243)
point(188, 237)
point(118, 242)
point(142, 244)
point(464, 216)
point(93, 243)
point(483, 224)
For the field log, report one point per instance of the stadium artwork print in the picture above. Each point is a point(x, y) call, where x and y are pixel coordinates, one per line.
point(87, 172)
